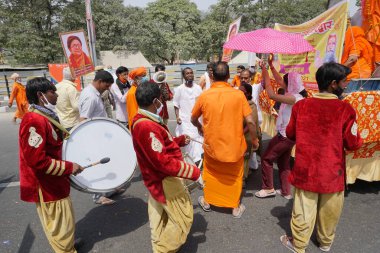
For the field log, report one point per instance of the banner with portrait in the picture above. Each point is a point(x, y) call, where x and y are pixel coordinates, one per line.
point(77, 52)
point(326, 34)
point(232, 31)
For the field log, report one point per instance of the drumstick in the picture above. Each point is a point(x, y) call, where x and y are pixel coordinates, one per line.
point(198, 142)
point(102, 161)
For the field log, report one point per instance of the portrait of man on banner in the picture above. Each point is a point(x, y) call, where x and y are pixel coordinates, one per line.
point(77, 54)
point(232, 31)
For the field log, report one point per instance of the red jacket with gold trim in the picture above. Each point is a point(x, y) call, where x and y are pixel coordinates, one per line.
point(41, 164)
point(159, 155)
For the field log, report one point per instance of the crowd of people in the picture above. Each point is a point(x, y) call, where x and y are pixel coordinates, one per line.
point(217, 127)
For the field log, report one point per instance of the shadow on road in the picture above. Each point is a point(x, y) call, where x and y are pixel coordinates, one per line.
point(27, 240)
point(283, 214)
point(363, 187)
point(102, 222)
point(6, 179)
point(197, 234)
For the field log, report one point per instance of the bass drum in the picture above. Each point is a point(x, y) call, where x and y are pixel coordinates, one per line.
point(92, 140)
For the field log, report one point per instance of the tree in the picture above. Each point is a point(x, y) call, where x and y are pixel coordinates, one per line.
point(33, 30)
point(255, 15)
point(169, 30)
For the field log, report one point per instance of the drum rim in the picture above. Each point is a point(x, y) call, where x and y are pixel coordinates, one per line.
point(75, 183)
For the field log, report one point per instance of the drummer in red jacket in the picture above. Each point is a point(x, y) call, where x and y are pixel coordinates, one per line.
point(322, 127)
point(44, 176)
point(160, 159)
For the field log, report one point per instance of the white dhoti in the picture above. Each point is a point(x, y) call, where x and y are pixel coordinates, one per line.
point(194, 149)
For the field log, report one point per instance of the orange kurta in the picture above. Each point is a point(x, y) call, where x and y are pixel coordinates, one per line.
point(371, 25)
point(223, 110)
point(132, 106)
point(356, 44)
point(19, 93)
point(236, 81)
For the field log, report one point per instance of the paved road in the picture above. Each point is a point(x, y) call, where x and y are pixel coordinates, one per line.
point(124, 227)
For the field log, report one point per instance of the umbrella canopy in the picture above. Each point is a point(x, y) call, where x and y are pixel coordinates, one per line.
point(268, 41)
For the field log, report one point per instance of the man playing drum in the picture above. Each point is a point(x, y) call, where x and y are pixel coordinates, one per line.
point(160, 159)
point(44, 177)
point(91, 106)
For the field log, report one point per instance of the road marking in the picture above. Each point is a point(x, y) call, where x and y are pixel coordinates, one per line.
point(10, 184)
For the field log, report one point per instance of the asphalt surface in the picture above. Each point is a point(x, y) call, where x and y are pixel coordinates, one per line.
point(124, 226)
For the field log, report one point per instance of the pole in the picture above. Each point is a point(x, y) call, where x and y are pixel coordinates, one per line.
point(91, 32)
point(7, 85)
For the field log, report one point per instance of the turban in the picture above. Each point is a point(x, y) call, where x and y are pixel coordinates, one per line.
point(295, 84)
point(14, 76)
point(141, 71)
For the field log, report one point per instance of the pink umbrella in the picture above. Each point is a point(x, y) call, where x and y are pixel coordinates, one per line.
point(268, 40)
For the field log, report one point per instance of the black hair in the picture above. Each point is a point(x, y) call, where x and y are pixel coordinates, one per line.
point(221, 71)
point(146, 93)
point(120, 70)
point(183, 71)
point(241, 67)
point(303, 93)
point(286, 78)
point(210, 65)
point(35, 85)
point(329, 72)
point(281, 91)
point(104, 76)
point(159, 67)
point(70, 40)
point(248, 89)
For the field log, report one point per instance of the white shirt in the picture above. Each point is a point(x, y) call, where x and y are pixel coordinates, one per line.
point(284, 115)
point(207, 80)
point(120, 102)
point(256, 90)
point(91, 104)
point(184, 99)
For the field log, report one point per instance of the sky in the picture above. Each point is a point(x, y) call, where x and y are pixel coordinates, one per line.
point(204, 4)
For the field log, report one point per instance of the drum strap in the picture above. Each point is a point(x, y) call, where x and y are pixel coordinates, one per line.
point(53, 121)
point(144, 119)
point(138, 121)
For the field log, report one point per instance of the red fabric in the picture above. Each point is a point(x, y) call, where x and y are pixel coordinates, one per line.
point(279, 149)
point(36, 160)
point(322, 129)
point(156, 165)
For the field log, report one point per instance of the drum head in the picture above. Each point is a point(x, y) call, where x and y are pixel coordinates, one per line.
point(93, 140)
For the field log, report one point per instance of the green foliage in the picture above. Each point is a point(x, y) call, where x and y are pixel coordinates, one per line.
point(166, 30)
point(170, 30)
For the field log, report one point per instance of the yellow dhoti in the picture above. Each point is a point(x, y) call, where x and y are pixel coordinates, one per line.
point(223, 182)
point(57, 219)
point(311, 207)
point(170, 223)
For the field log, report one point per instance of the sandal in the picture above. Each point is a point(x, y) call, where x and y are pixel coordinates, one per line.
point(120, 190)
point(264, 194)
point(205, 207)
point(287, 242)
point(104, 201)
point(289, 197)
point(240, 212)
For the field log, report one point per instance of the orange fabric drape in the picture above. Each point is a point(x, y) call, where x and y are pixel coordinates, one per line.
point(223, 182)
point(355, 43)
point(132, 106)
point(236, 81)
point(19, 93)
point(371, 25)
